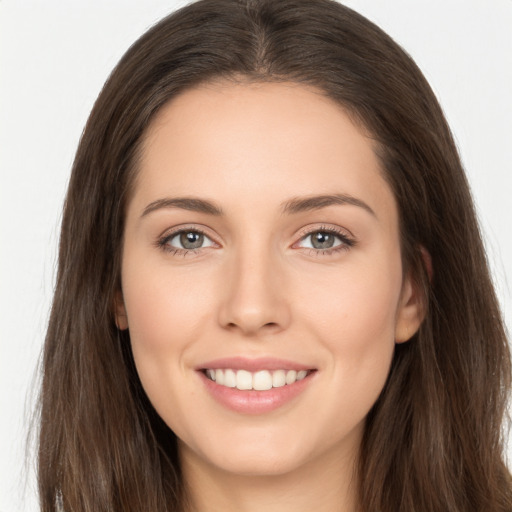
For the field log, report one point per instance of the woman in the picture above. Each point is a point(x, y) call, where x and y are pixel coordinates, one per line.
point(272, 291)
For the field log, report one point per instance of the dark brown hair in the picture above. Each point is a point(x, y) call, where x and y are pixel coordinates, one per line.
point(434, 439)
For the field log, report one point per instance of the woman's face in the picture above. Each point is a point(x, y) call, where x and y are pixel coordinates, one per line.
point(262, 245)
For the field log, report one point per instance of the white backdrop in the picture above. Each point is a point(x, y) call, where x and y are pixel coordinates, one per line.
point(55, 56)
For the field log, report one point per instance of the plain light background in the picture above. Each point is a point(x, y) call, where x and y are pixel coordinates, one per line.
point(54, 57)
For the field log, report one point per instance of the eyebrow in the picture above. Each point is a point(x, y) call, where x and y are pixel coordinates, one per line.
point(185, 203)
point(295, 205)
point(303, 204)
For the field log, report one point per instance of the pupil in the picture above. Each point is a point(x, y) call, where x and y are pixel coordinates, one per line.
point(322, 240)
point(191, 240)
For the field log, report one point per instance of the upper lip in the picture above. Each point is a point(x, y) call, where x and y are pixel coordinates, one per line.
point(253, 365)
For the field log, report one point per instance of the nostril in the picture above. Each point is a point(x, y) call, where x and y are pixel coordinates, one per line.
point(266, 326)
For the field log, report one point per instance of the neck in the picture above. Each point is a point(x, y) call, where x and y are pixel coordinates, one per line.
point(327, 484)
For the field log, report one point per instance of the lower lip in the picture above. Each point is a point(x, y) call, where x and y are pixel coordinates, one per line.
point(252, 401)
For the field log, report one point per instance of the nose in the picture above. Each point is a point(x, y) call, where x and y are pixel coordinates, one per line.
point(254, 300)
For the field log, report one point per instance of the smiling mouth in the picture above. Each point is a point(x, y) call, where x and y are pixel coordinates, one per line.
point(261, 380)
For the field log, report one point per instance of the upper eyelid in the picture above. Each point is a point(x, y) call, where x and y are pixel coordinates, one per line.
point(308, 230)
point(183, 228)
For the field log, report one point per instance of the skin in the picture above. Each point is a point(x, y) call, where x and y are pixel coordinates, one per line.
point(258, 289)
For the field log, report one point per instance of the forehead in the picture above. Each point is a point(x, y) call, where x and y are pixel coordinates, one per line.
point(258, 141)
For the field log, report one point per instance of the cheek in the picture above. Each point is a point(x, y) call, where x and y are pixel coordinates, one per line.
point(352, 312)
point(354, 323)
point(361, 299)
point(167, 312)
point(164, 307)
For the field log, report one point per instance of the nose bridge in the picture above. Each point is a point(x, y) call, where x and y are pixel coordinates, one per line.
point(254, 301)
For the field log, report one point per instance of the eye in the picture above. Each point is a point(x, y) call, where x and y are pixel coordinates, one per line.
point(186, 240)
point(321, 240)
point(325, 240)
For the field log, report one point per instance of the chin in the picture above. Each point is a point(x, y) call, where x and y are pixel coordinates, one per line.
point(259, 465)
point(251, 455)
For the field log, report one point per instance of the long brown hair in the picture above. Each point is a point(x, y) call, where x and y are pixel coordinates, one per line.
point(434, 439)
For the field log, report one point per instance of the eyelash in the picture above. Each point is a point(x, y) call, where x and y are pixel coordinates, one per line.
point(162, 243)
point(347, 242)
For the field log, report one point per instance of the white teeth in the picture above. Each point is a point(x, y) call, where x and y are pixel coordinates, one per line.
point(291, 376)
point(278, 379)
point(230, 378)
point(302, 374)
point(243, 379)
point(261, 380)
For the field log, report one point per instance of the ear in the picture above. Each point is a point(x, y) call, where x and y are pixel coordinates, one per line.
point(411, 310)
point(413, 302)
point(120, 311)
